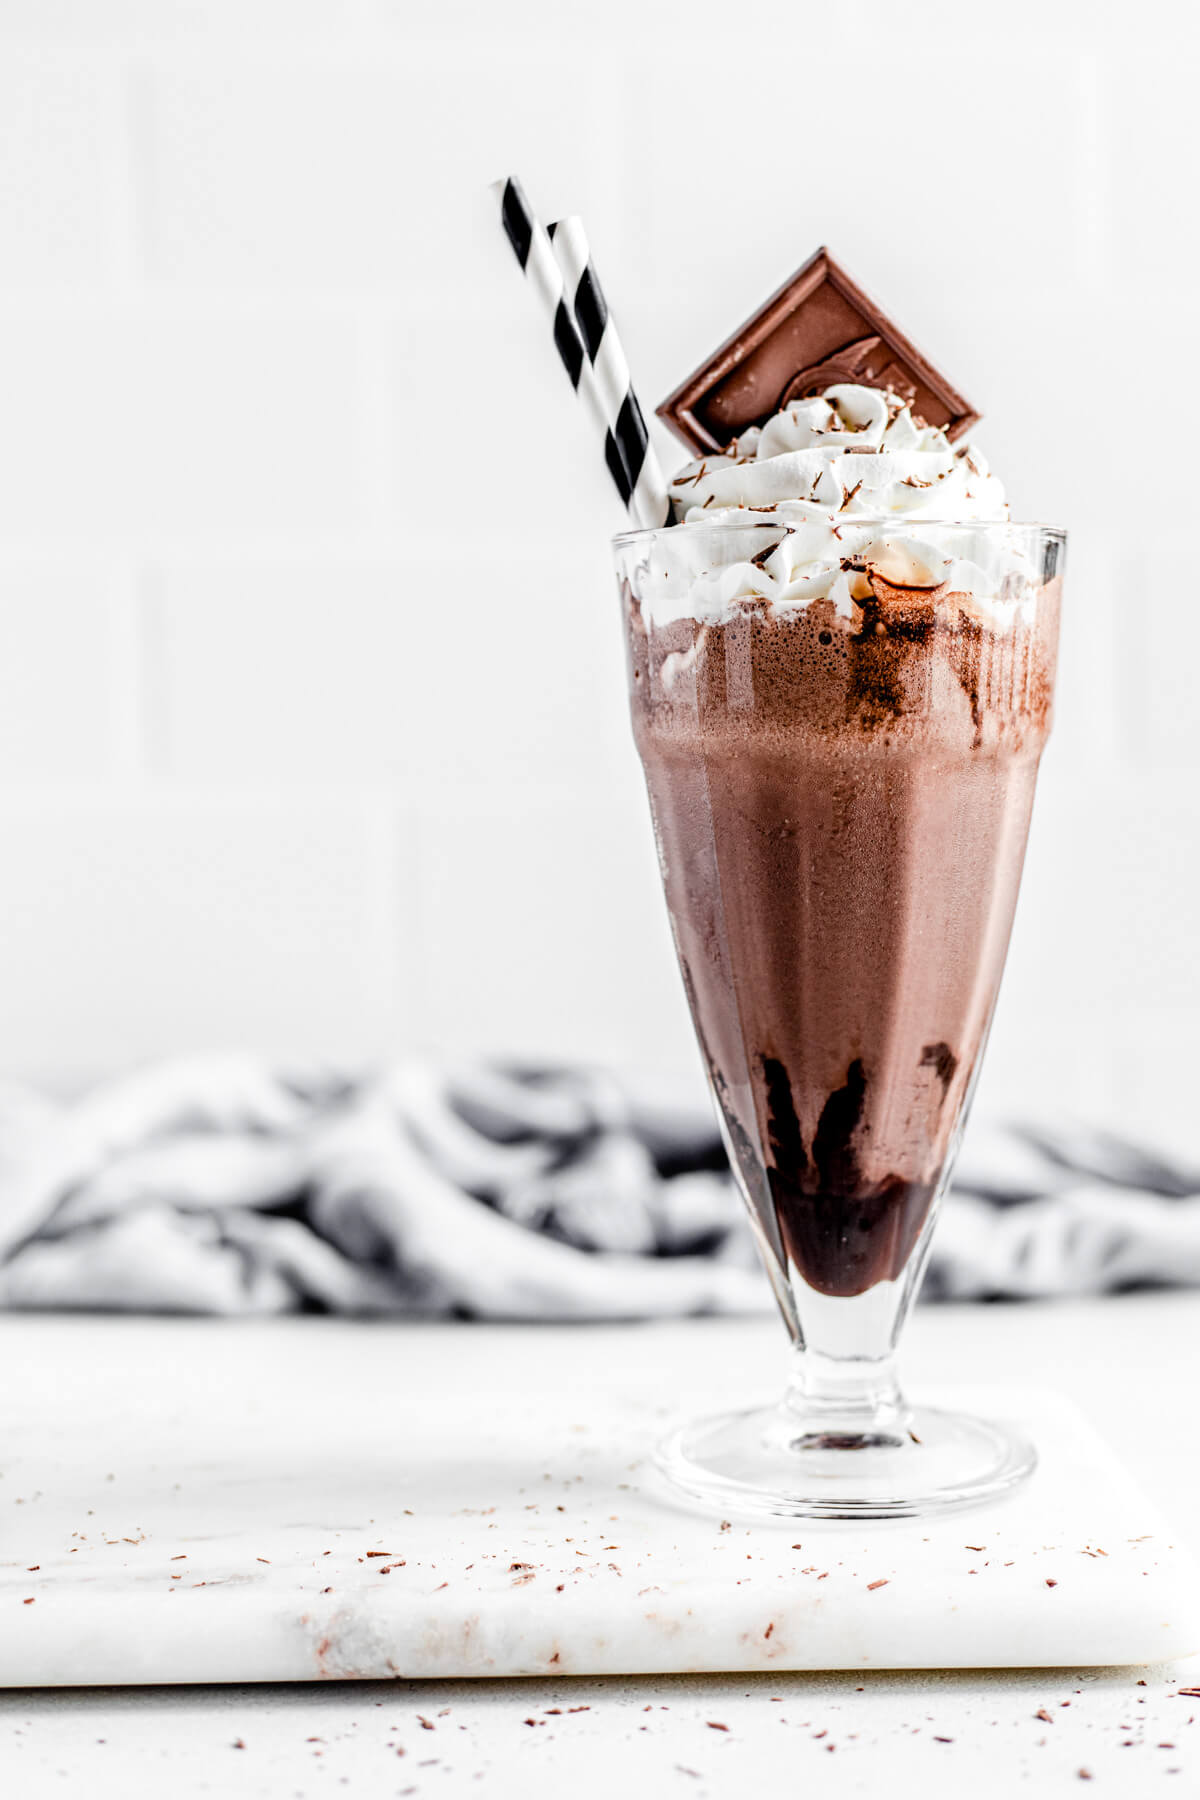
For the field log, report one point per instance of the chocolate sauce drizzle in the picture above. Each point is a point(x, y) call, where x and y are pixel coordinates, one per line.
point(842, 1232)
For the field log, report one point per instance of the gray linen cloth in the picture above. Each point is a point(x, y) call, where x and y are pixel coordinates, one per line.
point(229, 1185)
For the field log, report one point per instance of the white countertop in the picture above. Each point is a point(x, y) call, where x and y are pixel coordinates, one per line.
point(1131, 1364)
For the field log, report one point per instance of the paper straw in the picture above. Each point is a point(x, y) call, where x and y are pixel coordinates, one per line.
point(650, 503)
point(535, 254)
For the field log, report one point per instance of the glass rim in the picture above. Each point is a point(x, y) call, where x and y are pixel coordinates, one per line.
point(893, 521)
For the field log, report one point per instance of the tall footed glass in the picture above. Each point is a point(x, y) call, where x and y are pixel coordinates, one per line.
point(841, 782)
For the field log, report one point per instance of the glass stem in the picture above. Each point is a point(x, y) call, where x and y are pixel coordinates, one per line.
point(846, 1394)
point(843, 1374)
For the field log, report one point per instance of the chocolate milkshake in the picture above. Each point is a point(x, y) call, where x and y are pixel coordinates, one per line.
point(841, 656)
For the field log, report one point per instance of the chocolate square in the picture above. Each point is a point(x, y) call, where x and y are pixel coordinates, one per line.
point(819, 328)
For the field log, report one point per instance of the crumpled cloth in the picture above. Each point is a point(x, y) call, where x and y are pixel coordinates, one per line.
point(228, 1185)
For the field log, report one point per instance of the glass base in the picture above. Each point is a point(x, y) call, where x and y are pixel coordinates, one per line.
point(776, 1462)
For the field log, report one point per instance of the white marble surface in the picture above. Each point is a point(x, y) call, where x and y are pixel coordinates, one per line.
point(360, 1502)
point(1132, 1363)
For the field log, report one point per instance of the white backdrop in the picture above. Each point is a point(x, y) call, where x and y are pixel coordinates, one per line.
point(312, 732)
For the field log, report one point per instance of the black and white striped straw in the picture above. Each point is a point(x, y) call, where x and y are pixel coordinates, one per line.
point(535, 254)
point(650, 504)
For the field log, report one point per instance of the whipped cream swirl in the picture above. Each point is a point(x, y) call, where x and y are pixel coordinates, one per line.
point(814, 470)
point(849, 450)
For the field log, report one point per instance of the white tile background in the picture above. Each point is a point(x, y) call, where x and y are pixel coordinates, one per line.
point(312, 734)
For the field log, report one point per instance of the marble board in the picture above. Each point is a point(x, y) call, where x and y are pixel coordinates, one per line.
point(198, 1501)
